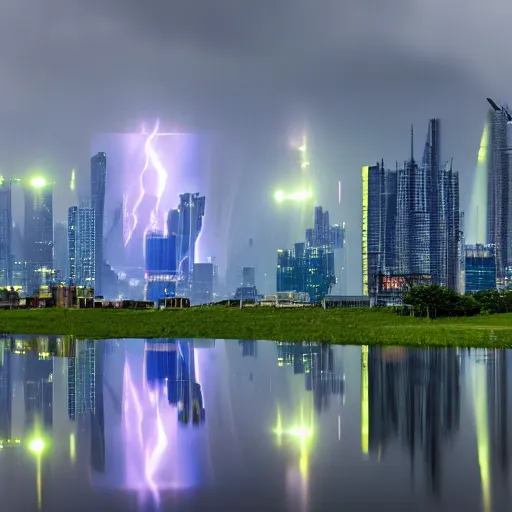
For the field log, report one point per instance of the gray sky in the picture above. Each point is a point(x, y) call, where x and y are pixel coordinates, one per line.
point(356, 72)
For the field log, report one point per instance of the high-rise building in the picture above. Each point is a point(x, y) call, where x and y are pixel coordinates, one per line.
point(98, 183)
point(310, 266)
point(248, 276)
point(496, 152)
point(61, 249)
point(38, 232)
point(6, 258)
point(411, 219)
point(160, 272)
point(202, 283)
point(81, 246)
point(480, 268)
point(186, 222)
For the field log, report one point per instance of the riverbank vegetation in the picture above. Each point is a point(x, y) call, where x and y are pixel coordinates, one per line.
point(347, 326)
point(435, 301)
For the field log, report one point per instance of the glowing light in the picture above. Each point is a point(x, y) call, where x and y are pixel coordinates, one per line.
point(339, 192)
point(38, 182)
point(301, 195)
point(72, 181)
point(365, 407)
point(36, 446)
point(72, 448)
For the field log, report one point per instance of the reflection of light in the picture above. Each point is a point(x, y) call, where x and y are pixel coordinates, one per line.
point(36, 446)
point(300, 432)
point(365, 412)
point(480, 405)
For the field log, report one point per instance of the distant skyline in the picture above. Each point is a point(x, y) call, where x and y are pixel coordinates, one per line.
point(354, 75)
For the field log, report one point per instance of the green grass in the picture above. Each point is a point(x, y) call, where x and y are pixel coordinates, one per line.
point(347, 326)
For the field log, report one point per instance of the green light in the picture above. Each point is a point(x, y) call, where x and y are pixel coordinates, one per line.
point(36, 446)
point(301, 195)
point(38, 182)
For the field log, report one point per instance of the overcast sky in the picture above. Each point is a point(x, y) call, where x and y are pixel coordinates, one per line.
point(357, 73)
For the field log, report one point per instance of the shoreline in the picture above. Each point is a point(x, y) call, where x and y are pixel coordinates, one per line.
point(340, 326)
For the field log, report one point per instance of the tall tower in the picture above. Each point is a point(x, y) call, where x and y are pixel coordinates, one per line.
point(98, 183)
point(187, 222)
point(81, 245)
point(38, 228)
point(498, 196)
point(5, 233)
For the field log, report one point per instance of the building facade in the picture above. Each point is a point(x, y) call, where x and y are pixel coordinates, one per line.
point(186, 223)
point(411, 219)
point(98, 183)
point(81, 246)
point(38, 232)
point(495, 150)
point(160, 271)
point(202, 283)
point(480, 268)
point(6, 253)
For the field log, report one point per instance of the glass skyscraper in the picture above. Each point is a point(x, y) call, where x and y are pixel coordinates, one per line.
point(38, 245)
point(480, 268)
point(160, 272)
point(495, 150)
point(5, 233)
point(411, 219)
point(186, 223)
point(310, 267)
point(81, 246)
point(98, 183)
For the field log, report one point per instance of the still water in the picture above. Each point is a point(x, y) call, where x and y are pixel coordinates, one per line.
point(200, 425)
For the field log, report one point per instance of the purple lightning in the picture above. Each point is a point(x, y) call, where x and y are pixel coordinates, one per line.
point(152, 160)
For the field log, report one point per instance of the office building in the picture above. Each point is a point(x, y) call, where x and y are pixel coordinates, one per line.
point(98, 183)
point(160, 271)
point(81, 246)
point(202, 283)
point(248, 276)
point(60, 250)
point(38, 232)
point(480, 268)
point(310, 266)
point(411, 223)
point(5, 233)
point(495, 150)
point(186, 223)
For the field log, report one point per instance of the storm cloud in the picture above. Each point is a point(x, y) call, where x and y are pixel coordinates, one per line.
point(355, 73)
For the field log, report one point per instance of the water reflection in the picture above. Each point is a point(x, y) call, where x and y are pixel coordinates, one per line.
point(188, 424)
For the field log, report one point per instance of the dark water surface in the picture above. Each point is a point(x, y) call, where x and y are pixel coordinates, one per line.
point(207, 425)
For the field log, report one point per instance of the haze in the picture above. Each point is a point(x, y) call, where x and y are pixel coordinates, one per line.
point(354, 74)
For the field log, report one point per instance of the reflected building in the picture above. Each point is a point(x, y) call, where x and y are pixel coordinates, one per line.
point(414, 396)
point(249, 348)
point(82, 379)
point(316, 362)
point(5, 392)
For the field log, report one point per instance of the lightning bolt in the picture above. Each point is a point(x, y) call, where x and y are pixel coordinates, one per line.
point(152, 160)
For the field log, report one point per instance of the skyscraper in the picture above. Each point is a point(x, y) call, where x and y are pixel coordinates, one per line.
point(38, 229)
point(186, 222)
point(160, 272)
point(411, 219)
point(202, 283)
point(5, 233)
point(60, 250)
point(480, 268)
point(98, 183)
point(81, 245)
point(498, 161)
point(309, 267)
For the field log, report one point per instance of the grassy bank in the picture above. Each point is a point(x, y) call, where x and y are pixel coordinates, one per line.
point(348, 326)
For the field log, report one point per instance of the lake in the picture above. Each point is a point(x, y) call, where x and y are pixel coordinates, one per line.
point(205, 425)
